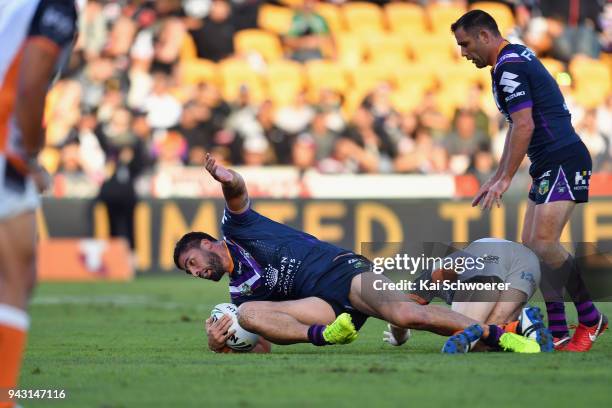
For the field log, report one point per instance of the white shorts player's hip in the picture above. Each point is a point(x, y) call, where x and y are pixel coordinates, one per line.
point(16, 197)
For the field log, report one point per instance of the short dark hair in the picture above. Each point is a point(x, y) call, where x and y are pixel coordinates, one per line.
point(476, 19)
point(188, 241)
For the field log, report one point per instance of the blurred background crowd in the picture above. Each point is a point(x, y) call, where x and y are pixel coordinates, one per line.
point(338, 87)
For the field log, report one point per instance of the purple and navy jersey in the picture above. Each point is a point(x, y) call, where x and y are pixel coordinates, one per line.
point(520, 81)
point(273, 261)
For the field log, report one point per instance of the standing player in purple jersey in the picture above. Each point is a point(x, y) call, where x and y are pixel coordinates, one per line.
point(293, 288)
point(530, 99)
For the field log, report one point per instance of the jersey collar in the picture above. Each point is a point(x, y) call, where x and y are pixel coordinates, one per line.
point(500, 50)
point(231, 260)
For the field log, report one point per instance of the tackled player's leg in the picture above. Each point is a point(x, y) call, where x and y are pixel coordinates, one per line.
point(397, 308)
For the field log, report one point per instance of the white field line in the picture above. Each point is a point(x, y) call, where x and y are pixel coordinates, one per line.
point(115, 300)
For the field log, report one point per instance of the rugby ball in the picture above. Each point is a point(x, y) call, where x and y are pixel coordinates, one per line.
point(241, 340)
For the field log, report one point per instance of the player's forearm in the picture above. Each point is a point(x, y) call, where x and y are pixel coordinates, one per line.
point(29, 109)
point(504, 156)
point(519, 138)
point(235, 192)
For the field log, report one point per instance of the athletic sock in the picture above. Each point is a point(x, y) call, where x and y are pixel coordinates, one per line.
point(492, 340)
point(512, 327)
point(13, 329)
point(315, 335)
point(587, 313)
point(556, 319)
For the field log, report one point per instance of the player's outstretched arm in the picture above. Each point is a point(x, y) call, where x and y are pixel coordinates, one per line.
point(234, 188)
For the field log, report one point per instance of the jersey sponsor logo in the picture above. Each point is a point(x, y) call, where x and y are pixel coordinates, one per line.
point(245, 289)
point(515, 95)
point(271, 276)
point(543, 187)
point(581, 180)
point(55, 21)
point(507, 81)
point(546, 174)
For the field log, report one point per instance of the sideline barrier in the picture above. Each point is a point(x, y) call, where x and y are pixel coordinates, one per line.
point(84, 260)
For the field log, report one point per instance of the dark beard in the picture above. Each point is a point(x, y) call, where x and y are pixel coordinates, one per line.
point(216, 266)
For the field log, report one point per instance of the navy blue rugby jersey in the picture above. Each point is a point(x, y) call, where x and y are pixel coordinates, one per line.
point(520, 81)
point(273, 261)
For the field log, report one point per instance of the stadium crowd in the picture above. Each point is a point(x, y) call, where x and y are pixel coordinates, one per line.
point(341, 87)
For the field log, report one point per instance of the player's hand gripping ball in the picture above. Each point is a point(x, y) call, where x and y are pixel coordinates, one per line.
point(241, 340)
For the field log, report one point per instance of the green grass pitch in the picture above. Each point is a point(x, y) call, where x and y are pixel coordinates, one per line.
point(142, 344)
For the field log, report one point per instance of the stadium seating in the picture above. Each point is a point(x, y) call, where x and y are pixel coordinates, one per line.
point(366, 77)
point(412, 76)
point(350, 49)
point(433, 49)
point(284, 80)
point(236, 73)
point(387, 48)
point(407, 98)
point(442, 15)
point(591, 81)
point(500, 12)
point(266, 44)
point(325, 74)
point(331, 14)
point(362, 16)
point(195, 71)
point(274, 18)
point(405, 18)
point(553, 66)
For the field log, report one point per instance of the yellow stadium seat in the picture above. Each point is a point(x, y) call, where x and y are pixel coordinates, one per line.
point(592, 82)
point(590, 72)
point(406, 100)
point(188, 49)
point(325, 75)
point(350, 49)
point(500, 12)
point(285, 80)
point(362, 16)
point(236, 73)
point(268, 45)
point(442, 15)
point(405, 18)
point(447, 102)
point(274, 18)
point(553, 66)
point(387, 48)
point(332, 16)
point(195, 71)
point(352, 100)
point(461, 72)
point(366, 77)
point(414, 76)
point(283, 71)
point(433, 49)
